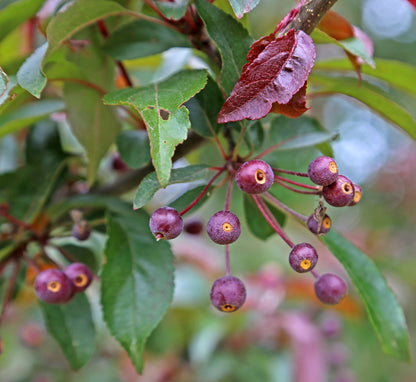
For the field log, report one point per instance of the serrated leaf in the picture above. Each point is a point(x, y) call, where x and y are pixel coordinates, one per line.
point(4, 82)
point(29, 76)
point(28, 114)
point(133, 147)
point(136, 282)
point(232, 40)
point(382, 307)
point(243, 6)
point(72, 327)
point(204, 108)
point(16, 13)
point(142, 38)
point(373, 97)
point(256, 222)
point(173, 9)
point(78, 16)
point(167, 121)
point(149, 185)
point(277, 70)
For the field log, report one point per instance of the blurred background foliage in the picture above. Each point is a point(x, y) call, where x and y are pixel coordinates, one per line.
point(283, 333)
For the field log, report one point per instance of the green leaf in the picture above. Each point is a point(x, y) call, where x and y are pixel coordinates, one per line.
point(149, 185)
point(204, 108)
point(94, 125)
point(27, 115)
point(133, 146)
point(84, 255)
point(243, 6)
point(16, 13)
point(232, 40)
point(188, 197)
point(173, 10)
point(142, 38)
point(167, 121)
point(256, 222)
point(373, 97)
point(78, 16)
point(29, 76)
point(72, 327)
point(4, 82)
point(137, 282)
point(395, 73)
point(352, 45)
point(382, 307)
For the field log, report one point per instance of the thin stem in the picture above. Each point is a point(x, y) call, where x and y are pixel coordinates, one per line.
point(315, 273)
point(66, 254)
point(4, 212)
point(204, 190)
point(309, 187)
point(82, 82)
point(296, 190)
point(296, 173)
point(227, 259)
point(271, 220)
point(10, 289)
point(239, 140)
point(228, 195)
point(274, 147)
point(284, 207)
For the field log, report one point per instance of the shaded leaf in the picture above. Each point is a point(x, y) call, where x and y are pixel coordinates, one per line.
point(136, 282)
point(4, 82)
point(371, 96)
point(16, 13)
point(256, 222)
point(232, 40)
point(143, 38)
point(84, 255)
point(243, 6)
point(382, 307)
point(29, 76)
point(27, 115)
point(204, 108)
point(166, 120)
point(72, 327)
point(295, 107)
point(276, 71)
point(133, 147)
point(149, 185)
point(173, 9)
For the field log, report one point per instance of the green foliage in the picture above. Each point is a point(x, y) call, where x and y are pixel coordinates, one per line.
point(133, 146)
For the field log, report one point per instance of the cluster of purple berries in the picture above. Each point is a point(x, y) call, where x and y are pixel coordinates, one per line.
point(255, 177)
point(58, 287)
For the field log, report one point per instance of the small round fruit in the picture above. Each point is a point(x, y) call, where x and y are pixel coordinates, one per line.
point(228, 294)
point(254, 177)
point(224, 227)
point(303, 257)
point(166, 223)
point(320, 226)
point(358, 192)
point(330, 288)
point(194, 227)
point(323, 171)
point(81, 230)
point(53, 287)
point(340, 193)
point(80, 276)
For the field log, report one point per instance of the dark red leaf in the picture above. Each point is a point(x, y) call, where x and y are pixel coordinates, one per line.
point(276, 71)
point(295, 107)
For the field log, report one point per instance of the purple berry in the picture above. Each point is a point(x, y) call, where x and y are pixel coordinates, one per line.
point(118, 164)
point(166, 223)
point(254, 177)
point(330, 288)
point(224, 227)
point(194, 227)
point(358, 192)
point(228, 294)
point(53, 286)
point(319, 226)
point(340, 193)
point(81, 230)
point(303, 257)
point(323, 171)
point(80, 276)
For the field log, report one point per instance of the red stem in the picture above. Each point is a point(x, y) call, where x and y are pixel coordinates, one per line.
point(296, 190)
point(227, 259)
point(271, 220)
point(304, 174)
point(284, 207)
point(10, 289)
point(315, 273)
point(277, 177)
point(13, 220)
point(204, 190)
point(228, 195)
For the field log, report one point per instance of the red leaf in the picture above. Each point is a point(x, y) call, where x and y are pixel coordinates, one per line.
point(295, 107)
point(336, 26)
point(276, 71)
point(413, 2)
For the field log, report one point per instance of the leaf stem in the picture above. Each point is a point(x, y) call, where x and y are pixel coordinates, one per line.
point(227, 259)
point(284, 207)
point(309, 187)
point(283, 184)
point(10, 289)
point(296, 173)
point(228, 194)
